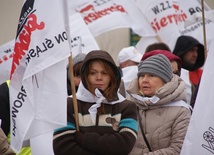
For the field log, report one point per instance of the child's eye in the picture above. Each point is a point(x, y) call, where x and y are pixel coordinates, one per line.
point(104, 73)
point(92, 73)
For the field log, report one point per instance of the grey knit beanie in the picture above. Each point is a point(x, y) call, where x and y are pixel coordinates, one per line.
point(78, 58)
point(157, 65)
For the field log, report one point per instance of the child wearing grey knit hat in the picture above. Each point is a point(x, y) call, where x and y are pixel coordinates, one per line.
point(157, 65)
point(76, 61)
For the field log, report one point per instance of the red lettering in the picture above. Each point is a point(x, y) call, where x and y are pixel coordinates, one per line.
point(32, 23)
point(164, 21)
point(87, 8)
point(11, 55)
point(24, 40)
point(5, 58)
point(120, 8)
point(175, 6)
point(170, 18)
point(183, 16)
point(92, 16)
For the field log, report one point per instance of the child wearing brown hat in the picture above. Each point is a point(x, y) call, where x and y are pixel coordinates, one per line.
point(107, 121)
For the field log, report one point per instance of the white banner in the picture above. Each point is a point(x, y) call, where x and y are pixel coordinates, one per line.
point(82, 40)
point(199, 139)
point(38, 95)
point(139, 24)
point(170, 19)
point(144, 42)
point(193, 27)
point(163, 18)
point(102, 16)
point(6, 56)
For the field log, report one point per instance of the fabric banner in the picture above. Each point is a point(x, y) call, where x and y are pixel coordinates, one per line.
point(6, 56)
point(82, 41)
point(193, 27)
point(100, 16)
point(139, 24)
point(103, 16)
point(164, 19)
point(144, 42)
point(38, 76)
point(208, 15)
point(42, 144)
point(200, 134)
point(173, 18)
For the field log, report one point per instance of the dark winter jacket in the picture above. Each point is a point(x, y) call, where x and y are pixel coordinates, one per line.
point(113, 132)
point(5, 108)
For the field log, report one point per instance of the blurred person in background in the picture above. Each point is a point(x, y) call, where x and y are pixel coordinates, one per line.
point(128, 59)
point(192, 54)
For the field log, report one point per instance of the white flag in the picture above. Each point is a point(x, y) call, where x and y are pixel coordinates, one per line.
point(193, 27)
point(6, 56)
point(138, 22)
point(199, 139)
point(38, 75)
point(164, 19)
point(82, 41)
point(169, 19)
point(144, 42)
point(100, 16)
point(103, 16)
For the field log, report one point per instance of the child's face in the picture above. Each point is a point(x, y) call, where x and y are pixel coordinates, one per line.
point(98, 76)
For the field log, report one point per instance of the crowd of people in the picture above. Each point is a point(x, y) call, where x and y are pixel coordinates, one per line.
point(142, 106)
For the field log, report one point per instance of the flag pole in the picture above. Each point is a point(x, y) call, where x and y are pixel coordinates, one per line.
point(159, 39)
point(73, 90)
point(70, 65)
point(204, 28)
